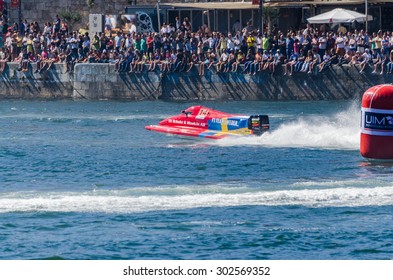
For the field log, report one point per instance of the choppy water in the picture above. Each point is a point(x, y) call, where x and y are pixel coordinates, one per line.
point(85, 180)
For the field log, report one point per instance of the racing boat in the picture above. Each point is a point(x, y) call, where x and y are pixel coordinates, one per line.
point(199, 121)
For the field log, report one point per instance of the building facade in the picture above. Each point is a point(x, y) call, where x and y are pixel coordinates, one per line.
point(220, 16)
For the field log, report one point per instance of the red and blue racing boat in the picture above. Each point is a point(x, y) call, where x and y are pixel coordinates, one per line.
point(199, 121)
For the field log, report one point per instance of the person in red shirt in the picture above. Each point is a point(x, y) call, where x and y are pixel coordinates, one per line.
point(149, 43)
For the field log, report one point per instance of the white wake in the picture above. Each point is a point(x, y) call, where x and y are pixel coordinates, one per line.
point(127, 202)
point(338, 131)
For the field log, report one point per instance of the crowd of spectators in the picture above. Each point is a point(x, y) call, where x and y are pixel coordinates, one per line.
point(177, 48)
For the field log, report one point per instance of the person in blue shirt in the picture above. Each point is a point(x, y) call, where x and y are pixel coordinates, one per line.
point(291, 62)
point(289, 45)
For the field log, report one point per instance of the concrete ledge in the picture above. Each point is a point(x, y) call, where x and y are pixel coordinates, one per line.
point(100, 81)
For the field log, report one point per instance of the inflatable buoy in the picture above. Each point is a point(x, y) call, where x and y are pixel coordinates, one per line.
point(376, 137)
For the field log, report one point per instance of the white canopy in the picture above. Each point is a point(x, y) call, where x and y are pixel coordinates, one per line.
point(338, 16)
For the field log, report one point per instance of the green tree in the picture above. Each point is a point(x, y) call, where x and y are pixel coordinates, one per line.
point(70, 17)
point(270, 14)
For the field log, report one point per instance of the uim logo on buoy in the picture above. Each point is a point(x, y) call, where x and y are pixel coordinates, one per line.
point(376, 138)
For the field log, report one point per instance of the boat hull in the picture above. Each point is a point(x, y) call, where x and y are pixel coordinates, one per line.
point(199, 121)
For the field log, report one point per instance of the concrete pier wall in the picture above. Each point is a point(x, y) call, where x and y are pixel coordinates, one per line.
point(100, 81)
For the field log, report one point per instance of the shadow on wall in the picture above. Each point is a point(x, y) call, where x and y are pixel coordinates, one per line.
point(100, 81)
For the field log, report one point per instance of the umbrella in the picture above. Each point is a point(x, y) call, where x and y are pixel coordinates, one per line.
point(339, 16)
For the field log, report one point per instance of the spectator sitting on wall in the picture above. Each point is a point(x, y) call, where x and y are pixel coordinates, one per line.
point(366, 60)
point(276, 61)
point(255, 66)
point(290, 63)
point(222, 61)
point(326, 61)
point(155, 61)
point(248, 61)
point(141, 63)
point(166, 63)
point(389, 65)
point(356, 59)
point(239, 59)
point(378, 61)
point(4, 56)
point(346, 59)
point(40, 60)
point(192, 61)
point(316, 61)
point(52, 59)
point(212, 59)
point(119, 61)
point(70, 61)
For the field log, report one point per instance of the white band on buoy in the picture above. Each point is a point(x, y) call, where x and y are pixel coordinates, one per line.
point(377, 122)
point(373, 93)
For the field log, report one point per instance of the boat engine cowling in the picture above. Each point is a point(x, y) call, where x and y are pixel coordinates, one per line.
point(258, 124)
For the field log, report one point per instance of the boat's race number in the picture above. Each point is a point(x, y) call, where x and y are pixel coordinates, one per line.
point(202, 114)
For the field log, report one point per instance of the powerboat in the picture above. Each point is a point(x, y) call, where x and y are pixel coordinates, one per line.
point(200, 121)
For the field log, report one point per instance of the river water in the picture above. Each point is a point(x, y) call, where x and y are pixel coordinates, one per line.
point(85, 180)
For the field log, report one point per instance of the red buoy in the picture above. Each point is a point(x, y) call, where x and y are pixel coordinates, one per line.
point(376, 138)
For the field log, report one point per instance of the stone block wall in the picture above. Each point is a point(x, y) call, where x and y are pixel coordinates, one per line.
point(51, 84)
point(101, 81)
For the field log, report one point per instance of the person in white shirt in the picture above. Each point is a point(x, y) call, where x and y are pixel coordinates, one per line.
point(223, 61)
point(237, 42)
point(259, 42)
point(133, 29)
point(366, 57)
point(212, 41)
point(164, 29)
point(340, 45)
point(129, 42)
point(322, 44)
point(230, 43)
